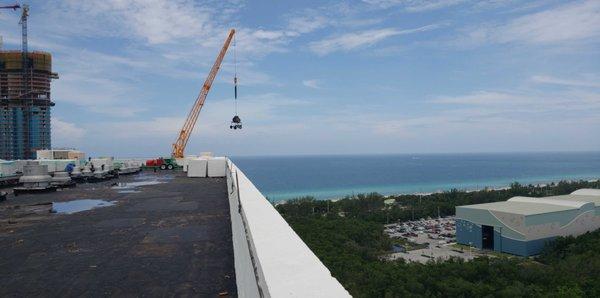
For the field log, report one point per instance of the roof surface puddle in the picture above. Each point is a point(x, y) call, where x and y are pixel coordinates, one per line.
point(142, 180)
point(75, 206)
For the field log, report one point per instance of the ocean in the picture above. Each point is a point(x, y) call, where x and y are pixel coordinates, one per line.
point(336, 176)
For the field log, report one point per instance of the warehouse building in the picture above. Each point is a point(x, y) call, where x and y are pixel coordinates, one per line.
point(523, 225)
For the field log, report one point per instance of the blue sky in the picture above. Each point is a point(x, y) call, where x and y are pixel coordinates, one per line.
point(322, 77)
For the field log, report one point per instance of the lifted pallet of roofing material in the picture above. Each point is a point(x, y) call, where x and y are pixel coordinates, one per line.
point(212, 167)
point(217, 166)
point(197, 168)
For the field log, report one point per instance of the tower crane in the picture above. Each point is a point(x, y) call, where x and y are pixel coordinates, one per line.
point(190, 121)
point(26, 92)
point(13, 7)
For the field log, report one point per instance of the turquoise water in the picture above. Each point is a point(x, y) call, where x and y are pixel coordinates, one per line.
point(286, 177)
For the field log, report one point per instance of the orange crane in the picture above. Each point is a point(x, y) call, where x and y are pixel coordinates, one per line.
point(190, 122)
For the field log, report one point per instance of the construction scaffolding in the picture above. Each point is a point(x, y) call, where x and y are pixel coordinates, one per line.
point(25, 103)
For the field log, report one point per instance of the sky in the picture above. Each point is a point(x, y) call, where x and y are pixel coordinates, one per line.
point(321, 77)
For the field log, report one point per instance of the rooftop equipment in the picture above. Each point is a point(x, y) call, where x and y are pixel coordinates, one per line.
point(62, 179)
point(236, 122)
point(35, 178)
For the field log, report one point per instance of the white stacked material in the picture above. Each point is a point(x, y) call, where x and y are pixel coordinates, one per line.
point(130, 166)
point(76, 172)
point(197, 168)
point(60, 154)
point(19, 165)
point(56, 165)
point(8, 168)
point(217, 166)
point(206, 154)
point(35, 176)
point(99, 173)
point(49, 163)
point(106, 161)
point(87, 172)
point(61, 179)
point(180, 161)
point(185, 162)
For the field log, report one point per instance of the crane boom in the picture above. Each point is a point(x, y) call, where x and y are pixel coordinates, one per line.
point(190, 122)
point(13, 7)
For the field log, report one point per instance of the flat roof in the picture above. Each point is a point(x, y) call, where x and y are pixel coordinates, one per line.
point(172, 238)
point(583, 198)
point(531, 205)
point(522, 208)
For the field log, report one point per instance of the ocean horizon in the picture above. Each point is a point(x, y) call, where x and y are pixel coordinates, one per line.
point(337, 176)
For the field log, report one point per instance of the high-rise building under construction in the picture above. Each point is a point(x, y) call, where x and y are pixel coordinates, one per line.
point(25, 103)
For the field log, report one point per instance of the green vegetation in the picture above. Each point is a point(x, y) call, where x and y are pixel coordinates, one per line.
point(347, 236)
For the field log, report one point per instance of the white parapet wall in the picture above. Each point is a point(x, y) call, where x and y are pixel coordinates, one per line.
point(270, 258)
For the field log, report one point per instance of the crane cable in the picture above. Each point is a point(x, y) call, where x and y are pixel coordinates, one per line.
point(235, 75)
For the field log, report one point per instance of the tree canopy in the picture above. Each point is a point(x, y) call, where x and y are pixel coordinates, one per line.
point(347, 235)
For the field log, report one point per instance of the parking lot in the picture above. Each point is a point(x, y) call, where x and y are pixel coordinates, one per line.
point(427, 239)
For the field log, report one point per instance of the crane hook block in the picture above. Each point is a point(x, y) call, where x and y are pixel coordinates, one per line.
point(236, 122)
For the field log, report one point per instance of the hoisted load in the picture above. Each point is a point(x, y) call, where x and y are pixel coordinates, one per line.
point(236, 122)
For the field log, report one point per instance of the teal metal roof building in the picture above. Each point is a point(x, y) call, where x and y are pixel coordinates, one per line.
point(523, 225)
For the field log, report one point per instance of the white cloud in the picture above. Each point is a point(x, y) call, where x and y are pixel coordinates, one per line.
point(354, 40)
point(155, 21)
point(95, 82)
point(307, 23)
point(268, 35)
point(415, 5)
point(65, 133)
point(578, 21)
point(213, 120)
point(534, 103)
point(149, 38)
point(585, 81)
point(314, 84)
point(484, 98)
point(575, 21)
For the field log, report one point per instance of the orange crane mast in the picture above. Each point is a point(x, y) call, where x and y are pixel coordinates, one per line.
point(190, 122)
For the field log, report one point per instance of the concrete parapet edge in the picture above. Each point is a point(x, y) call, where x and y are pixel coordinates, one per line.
point(271, 260)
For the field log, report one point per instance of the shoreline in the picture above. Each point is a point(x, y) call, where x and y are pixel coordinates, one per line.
point(489, 188)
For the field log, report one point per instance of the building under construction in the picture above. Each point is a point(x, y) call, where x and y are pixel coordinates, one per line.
point(25, 103)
